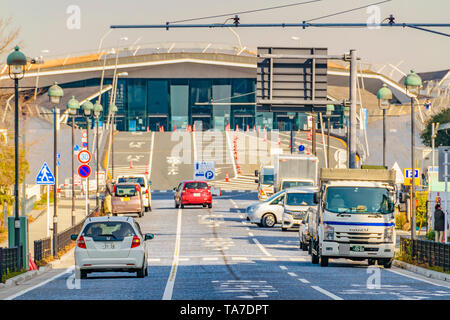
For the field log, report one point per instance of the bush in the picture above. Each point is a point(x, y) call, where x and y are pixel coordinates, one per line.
point(431, 235)
point(9, 275)
point(400, 220)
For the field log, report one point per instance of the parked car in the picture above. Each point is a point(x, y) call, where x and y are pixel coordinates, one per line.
point(145, 187)
point(111, 244)
point(296, 203)
point(127, 199)
point(303, 232)
point(267, 213)
point(192, 192)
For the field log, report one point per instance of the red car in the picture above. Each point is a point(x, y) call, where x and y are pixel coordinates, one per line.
point(192, 192)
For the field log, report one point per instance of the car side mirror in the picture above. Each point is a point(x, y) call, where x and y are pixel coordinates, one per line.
point(256, 173)
point(174, 189)
point(74, 237)
point(149, 236)
point(316, 197)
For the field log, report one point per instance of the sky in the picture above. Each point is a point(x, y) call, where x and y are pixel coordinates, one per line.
point(45, 31)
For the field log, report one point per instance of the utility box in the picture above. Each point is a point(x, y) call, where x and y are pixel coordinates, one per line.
point(23, 238)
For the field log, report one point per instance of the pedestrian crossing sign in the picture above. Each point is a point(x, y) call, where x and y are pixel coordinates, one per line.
point(45, 176)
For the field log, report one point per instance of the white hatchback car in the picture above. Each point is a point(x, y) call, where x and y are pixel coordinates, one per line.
point(267, 213)
point(111, 244)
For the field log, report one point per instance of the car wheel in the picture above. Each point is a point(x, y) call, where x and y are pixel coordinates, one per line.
point(80, 274)
point(150, 208)
point(147, 209)
point(176, 205)
point(388, 264)
point(140, 214)
point(371, 262)
point(114, 214)
point(268, 220)
point(182, 206)
point(210, 205)
point(314, 257)
point(323, 261)
point(301, 245)
point(141, 273)
point(146, 271)
point(259, 224)
point(283, 229)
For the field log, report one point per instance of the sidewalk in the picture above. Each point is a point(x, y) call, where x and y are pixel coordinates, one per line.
point(38, 228)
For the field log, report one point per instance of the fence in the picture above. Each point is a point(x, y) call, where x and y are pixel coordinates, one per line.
point(435, 254)
point(42, 248)
point(10, 260)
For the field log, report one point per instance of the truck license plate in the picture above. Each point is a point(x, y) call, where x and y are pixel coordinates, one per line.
point(357, 248)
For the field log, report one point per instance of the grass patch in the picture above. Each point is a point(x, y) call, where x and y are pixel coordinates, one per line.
point(413, 261)
point(9, 275)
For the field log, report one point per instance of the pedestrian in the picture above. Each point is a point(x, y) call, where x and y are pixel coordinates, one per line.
point(439, 221)
point(107, 202)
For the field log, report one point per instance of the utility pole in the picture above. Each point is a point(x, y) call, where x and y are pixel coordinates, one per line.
point(352, 118)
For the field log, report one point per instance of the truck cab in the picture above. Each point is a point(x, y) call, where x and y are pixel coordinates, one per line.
point(265, 182)
point(355, 216)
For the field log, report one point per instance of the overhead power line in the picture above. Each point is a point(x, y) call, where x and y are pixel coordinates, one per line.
point(347, 11)
point(248, 11)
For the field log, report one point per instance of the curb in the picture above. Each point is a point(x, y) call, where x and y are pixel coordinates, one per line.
point(25, 277)
point(422, 271)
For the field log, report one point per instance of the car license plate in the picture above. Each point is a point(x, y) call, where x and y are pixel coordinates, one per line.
point(125, 199)
point(196, 194)
point(357, 248)
point(108, 245)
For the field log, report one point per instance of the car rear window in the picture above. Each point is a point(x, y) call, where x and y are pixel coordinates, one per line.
point(125, 191)
point(115, 230)
point(196, 185)
point(139, 180)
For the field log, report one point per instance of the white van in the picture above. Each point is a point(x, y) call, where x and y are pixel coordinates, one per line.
point(296, 203)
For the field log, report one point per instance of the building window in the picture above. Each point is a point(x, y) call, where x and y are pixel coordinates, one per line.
point(179, 103)
point(158, 97)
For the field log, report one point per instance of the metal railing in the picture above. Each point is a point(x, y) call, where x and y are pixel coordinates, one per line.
point(434, 254)
point(42, 249)
point(10, 260)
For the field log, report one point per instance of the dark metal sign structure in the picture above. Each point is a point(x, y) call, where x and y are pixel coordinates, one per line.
point(292, 79)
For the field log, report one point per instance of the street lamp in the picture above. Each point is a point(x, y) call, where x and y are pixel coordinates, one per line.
point(97, 112)
point(55, 93)
point(112, 110)
point(73, 105)
point(413, 83)
point(384, 95)
point(16, 62)
point(291, 117)
point(330, 109)
point(87, 107)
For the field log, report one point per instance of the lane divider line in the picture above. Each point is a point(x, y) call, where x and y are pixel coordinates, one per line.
point(292, 274)
point(168, 291)
point(283, 268)
point(261, 247)
point(327, 293)
point(303, 280)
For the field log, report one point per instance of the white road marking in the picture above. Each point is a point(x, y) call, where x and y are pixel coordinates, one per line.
point(210, 259)
point(300, 259)
point(68, 270)
point(239, 258)
point(303, 280)
point(268, 259)
point(261, 247)
point(151, 156)
point(154, 260)
point(283, 268)
point(173, 272)
point(417, 278)
point(234, 203)
point(327, 293)
point(292, 274)
point(183, 259)
point(250, 234)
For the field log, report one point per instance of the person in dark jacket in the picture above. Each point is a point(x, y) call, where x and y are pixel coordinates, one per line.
point(439, 221)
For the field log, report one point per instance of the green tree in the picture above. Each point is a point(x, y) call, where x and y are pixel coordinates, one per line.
point(442, 138)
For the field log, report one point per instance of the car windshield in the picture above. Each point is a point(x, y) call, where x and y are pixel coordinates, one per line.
point(116, 230)
point(125, 191)
point(139, 180)
point(292, 184)
point(276, 195)
point(359, 200)
point(299, 199)
point(196, 185)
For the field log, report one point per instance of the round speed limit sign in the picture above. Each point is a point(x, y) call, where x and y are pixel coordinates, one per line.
point(84, 156)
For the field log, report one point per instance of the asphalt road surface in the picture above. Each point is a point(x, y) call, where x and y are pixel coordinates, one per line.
point(200, 254)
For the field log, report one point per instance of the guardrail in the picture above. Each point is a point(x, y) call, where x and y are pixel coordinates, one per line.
point(42, 247)
point(435, 254)
point(10, 260)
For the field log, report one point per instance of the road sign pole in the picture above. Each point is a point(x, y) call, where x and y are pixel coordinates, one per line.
point(48, 211)
point(413, 215)
point(73, 173)
point(446, 194)
point(55, 188)
point(352, 118)
point(87, 179)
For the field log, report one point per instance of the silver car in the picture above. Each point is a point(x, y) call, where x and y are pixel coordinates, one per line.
point(111, 244)
point(267, 213)
point(297, 202)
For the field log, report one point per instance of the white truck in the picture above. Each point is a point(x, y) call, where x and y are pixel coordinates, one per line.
point(265, 182)
point(354, 218)
point(295, 171)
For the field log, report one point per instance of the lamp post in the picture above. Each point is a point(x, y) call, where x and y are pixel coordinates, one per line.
point(16, 61)
point(87, 110)
point(73, 105)
point(412, 83)
point(291, 117)
point(384, 95)
point(112, 110)
point(55, 93)
point(347, 127)
point(97, 112)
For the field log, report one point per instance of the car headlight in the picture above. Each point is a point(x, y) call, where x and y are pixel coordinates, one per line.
point(328, 232)
point(289, 212)
point(389, 234)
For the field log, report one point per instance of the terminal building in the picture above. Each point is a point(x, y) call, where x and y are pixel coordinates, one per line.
point(171, 88)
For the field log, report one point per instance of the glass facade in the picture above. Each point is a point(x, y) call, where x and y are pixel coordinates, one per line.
point(149, 104)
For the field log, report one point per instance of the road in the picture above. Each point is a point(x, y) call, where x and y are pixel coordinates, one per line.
point(210, 254)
